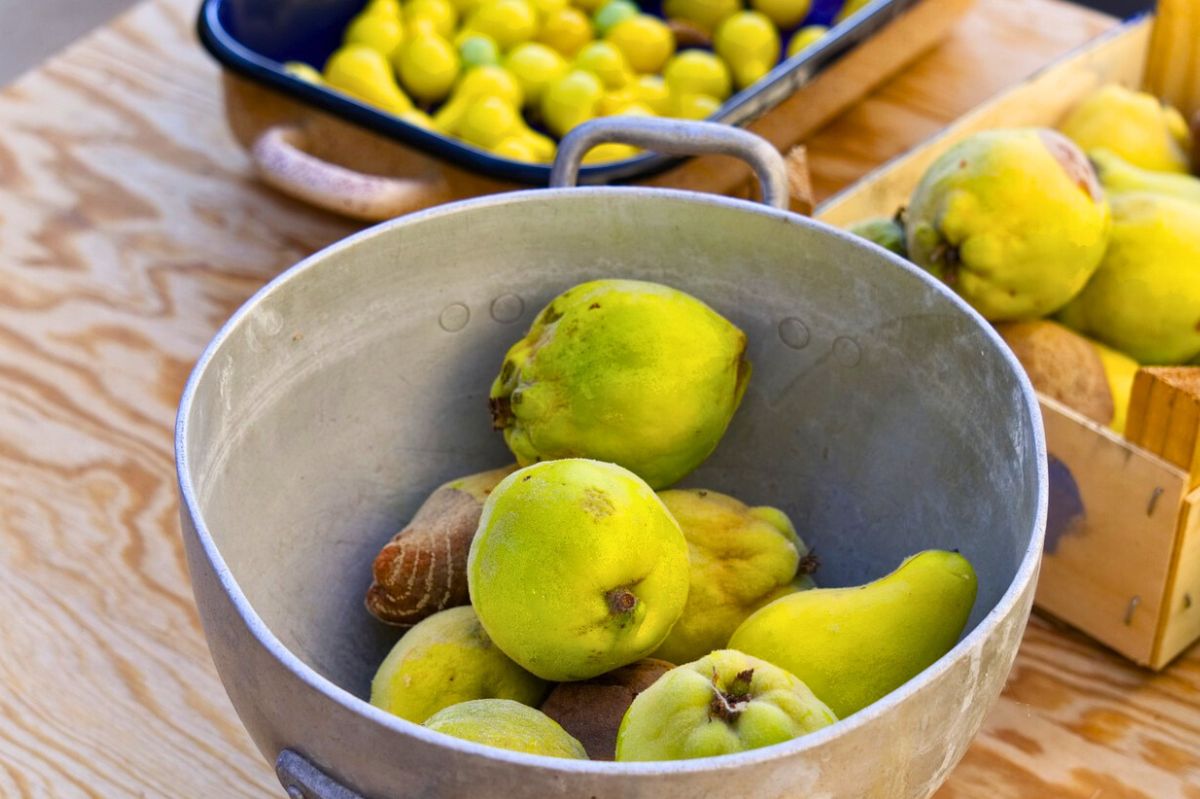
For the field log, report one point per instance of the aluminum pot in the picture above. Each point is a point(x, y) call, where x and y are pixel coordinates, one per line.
point(884, 415)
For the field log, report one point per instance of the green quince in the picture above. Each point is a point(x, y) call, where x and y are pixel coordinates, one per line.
point(625, 371)
point(725, 703)
point(740, 559)
point(446, 659)
point(577, 568)
point(505, 724)
point(1013, 220)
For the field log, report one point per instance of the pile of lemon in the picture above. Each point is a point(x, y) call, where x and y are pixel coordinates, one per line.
point(495, 73)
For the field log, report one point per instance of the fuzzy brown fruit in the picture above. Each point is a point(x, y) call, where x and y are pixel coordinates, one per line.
point(592, 710)
point(1061, 364)
point(423, 569)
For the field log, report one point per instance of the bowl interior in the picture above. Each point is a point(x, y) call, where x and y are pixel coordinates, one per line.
point(883, 417)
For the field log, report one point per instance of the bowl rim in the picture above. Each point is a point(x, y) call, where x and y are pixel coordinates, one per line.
point(1025, 575)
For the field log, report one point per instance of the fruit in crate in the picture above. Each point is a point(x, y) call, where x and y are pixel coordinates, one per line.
point(787, 14)
point(423, 568)
point(378, 30)
point(591, 710)
point(740, 559)
point(749, 44)
point(805, 38)
point(704, 14)
point(645, 41)
point(1118, 176)
point(1134, 125)
point(507, 725)
point(626, 371)
point(724, 703)
point(365, 74)
point(428, 65)
point(886, 231)
point(1014, 221)
point(852, 646)
point(446, 659)
point(1144, 299)
point(1080, 373)
point(577, 568)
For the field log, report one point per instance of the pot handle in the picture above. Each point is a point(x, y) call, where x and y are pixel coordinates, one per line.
point(282, 162)
point(675, 137)
point(302, 780)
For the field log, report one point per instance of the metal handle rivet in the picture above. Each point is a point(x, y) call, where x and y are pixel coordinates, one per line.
point(454, 317)
point(846, 351)
point(794, 333)
point(507, 308)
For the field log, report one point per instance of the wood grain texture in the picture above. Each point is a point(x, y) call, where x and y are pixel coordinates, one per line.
point(130, 227)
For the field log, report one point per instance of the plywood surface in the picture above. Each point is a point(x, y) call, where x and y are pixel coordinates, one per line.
point(130, 228)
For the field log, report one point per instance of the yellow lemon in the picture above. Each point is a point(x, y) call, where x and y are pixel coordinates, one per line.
point(566, 30)
point(535, 66)
point(437, 14)
point(508, 22)
point(378, 31)
point(645, 41)
point(428, 65)
point(365, 74)
point(706, 14)
point(784, 13)
point(697, 72)
point(606, 62)
point(571, 100)
point(749, 44)
point(805, 37)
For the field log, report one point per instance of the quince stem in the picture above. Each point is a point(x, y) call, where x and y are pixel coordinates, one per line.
point(728, 705)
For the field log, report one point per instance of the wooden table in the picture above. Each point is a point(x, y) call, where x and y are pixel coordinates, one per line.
point(130, 228)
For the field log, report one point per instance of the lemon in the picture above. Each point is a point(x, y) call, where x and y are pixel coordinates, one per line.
point(784, 13)
point(850, 8)
point(516, 148)
point(508, 22)
point(437, 14)
point(390, 8)
point(614, 100)
point(749, 43)
point(365, 74)
point(477, 50)
point(378, 31)
point(589, 5)
point(633, 110)
point(606, 62)
point(610, 151)
point(484, 81)
point(697, 72)
point(694, 106)
point(419, 118)
point(545, 8)
point(488, 121)
point(612, 13)
point(706, 14)
point(805, 37)
point(304, 72)
point(428, 65)
point(494, 81)
point(646, 41)
point(567, 31)
point(571, 100)
point(652, 92)
point(535, 66)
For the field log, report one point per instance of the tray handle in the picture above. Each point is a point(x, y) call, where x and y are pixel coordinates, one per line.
point(302, 780)
point(281, 160)
point(675, 137)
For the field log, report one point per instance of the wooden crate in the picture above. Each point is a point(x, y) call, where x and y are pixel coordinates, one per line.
point(333, 164)
point(1122, 558)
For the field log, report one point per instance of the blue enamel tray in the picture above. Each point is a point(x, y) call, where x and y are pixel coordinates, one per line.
point(255, 37)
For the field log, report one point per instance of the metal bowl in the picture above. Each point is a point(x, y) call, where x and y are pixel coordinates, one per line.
point(884, 416)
